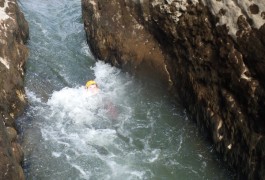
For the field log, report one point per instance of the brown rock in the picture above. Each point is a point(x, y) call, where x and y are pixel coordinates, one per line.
point(117, 36)
point(17, 152)
point(214, 59)
point(13, 54)
point(9, 166)
point(12, 134)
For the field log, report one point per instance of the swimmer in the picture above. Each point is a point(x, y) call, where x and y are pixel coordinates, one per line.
point(92, 87)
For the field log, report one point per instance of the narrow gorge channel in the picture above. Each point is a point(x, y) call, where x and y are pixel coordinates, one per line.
point(67, 135)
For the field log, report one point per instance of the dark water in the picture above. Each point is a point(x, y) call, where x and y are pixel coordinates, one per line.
point(67, 134)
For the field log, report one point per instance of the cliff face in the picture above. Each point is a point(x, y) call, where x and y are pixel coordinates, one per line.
point(211, 53)
point(13, 54)
point(116, 35)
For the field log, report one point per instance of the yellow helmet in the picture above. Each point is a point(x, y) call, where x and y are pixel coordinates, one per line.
point(89, 83)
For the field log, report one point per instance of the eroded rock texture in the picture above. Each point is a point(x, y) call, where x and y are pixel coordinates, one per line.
point(211, 52)
point(13, 54)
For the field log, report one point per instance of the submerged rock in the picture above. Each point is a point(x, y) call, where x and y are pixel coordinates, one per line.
point(211, 52)
point(13, 54)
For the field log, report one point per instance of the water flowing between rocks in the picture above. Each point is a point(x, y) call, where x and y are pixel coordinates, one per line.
point(66, 134)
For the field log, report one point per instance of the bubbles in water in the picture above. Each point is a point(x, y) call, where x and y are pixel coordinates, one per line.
point(74, 123)
point(76, 104)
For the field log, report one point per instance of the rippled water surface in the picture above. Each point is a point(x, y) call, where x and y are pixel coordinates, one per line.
point(130, 130)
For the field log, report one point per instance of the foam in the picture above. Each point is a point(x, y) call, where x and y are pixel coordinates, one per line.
point(154, 155)
point(76, 103)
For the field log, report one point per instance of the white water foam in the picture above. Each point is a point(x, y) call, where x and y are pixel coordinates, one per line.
point(75, 103)
point(80, 141)
point(81, 124)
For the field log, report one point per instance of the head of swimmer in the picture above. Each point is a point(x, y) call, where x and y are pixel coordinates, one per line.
point(92, 87)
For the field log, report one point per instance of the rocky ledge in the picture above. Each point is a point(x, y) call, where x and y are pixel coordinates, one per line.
point(13, 54)
point(210, 52)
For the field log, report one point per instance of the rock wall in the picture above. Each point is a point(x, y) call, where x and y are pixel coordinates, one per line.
point(13, 54)
point(212, 53)
point(117, 36)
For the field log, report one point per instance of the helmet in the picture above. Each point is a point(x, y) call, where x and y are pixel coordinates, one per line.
point(89, 83)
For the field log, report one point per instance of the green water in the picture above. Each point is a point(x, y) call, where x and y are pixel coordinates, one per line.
point(68, 135)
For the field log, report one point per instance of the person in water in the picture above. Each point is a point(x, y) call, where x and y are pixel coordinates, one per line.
point(93, 89)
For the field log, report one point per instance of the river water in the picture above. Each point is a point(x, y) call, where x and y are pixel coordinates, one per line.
point(67, 134)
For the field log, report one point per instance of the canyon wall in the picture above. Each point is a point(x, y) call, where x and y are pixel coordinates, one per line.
point(13, 54)
point(211, 54)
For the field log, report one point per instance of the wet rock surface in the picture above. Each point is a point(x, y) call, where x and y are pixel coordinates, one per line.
point(211, 53)
point(13, 54)
point(118, 36)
